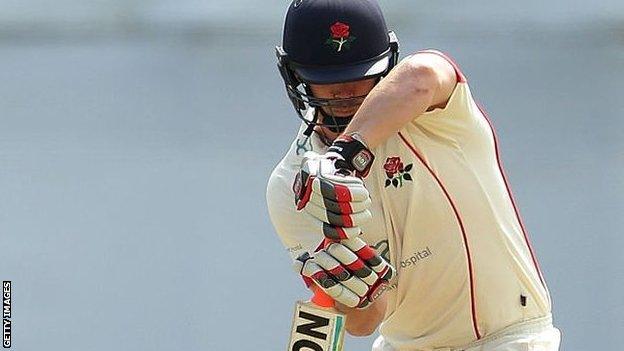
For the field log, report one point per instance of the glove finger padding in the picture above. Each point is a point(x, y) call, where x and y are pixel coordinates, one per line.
point(310, 269)
point(383, 270)
point(331, 232)
point(338, 219)
point(335, 233)
point(340, 273)
point(340, 207)
point(340, 188)
point(352, 262)
point(372, 259)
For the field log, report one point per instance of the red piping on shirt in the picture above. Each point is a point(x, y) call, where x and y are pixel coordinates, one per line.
point(511, 197)
point(463, 231)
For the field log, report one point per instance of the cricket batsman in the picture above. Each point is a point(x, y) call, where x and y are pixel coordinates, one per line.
point(402, 213)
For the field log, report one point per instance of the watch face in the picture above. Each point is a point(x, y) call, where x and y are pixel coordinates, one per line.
point(362, 160)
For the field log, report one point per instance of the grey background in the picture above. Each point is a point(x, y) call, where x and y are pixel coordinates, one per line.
point(136, 138)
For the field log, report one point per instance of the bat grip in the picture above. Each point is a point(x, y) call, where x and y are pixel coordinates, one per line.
point(320, 298)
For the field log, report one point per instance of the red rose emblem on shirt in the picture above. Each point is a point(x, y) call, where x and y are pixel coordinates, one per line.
point(393, 166)
point(339, 30)
point(397, 173)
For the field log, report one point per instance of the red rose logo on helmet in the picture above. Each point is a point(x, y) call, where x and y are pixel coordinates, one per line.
point(340, 36)
point(339, 30)
point(396, 172)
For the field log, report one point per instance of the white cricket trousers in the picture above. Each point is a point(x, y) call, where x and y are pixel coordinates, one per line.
point(537, 335)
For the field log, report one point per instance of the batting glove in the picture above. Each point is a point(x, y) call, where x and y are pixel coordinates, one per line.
point(329, 187)
point(350, 271)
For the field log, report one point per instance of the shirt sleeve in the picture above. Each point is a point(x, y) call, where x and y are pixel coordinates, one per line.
point(296, 230)
point(456, 99)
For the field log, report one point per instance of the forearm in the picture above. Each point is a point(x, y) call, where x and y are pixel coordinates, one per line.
point(363, 322)
point(407, 92)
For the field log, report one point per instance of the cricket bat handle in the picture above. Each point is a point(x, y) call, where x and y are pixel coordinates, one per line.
point(317, 325)
point(321, 299)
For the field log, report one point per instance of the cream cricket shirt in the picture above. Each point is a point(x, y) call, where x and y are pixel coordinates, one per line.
point(444, 216)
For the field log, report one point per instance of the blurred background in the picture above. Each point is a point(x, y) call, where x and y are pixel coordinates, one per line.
point(136, 139)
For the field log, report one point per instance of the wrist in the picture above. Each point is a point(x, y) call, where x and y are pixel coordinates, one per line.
point(363, 322)
point(359, 137)
point(355, 153)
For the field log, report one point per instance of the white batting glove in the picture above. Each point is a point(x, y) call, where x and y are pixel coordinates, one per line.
point(350, 271)
point(333, 196)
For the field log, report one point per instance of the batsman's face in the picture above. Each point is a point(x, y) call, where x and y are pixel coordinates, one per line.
point(348, 96)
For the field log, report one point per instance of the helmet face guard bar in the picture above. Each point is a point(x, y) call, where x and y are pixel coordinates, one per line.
point(303, 100)
point(327, 108)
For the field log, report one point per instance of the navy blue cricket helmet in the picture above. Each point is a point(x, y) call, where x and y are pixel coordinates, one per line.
point(332, 41)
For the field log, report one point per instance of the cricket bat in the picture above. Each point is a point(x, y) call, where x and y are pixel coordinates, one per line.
point(317, 326)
